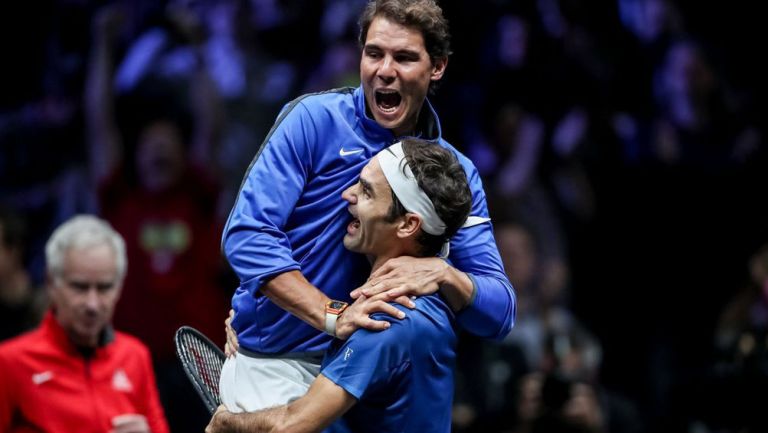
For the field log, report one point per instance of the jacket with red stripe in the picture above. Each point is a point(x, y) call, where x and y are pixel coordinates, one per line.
point(48, 385)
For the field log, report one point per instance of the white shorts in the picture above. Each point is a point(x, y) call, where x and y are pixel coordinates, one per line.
point(250, 382)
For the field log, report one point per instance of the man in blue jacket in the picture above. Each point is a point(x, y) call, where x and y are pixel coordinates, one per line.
point(409, 200)
point(284, 234)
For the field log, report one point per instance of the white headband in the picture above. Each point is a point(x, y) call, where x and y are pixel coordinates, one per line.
point(406, 189)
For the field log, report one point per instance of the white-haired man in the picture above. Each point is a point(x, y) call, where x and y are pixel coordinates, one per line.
point(74, 372)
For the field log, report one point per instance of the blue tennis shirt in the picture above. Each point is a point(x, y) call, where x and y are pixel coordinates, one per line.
point(401, 377)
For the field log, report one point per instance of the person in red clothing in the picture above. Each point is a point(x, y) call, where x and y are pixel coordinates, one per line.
point(74, 373)
point(153, 159)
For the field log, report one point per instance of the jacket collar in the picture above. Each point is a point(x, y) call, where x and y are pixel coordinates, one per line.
point(51, 327)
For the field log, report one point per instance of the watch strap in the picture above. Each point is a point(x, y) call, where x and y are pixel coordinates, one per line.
point(330, 323)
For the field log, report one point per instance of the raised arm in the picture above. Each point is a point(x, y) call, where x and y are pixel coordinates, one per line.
point(208, 115)
point(317, 409)
point(204, 98)
point(104, 142)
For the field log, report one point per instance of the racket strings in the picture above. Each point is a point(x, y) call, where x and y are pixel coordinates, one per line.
point(204, 361)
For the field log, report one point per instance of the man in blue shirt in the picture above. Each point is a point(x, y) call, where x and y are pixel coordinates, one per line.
point(409, 200)
point(284, 234)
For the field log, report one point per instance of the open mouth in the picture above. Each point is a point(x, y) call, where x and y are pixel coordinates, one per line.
point(388, 100)
point(353, 226)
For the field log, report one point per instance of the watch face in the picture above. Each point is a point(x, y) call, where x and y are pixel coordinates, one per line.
point(336, 305)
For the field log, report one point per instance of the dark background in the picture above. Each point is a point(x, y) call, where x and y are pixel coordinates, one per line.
point(651, 268)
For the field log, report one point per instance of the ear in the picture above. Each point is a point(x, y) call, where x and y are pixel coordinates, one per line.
point(119, 289)
point(438, 68)
point(50, 288)
point(50, 280)
point(409, 226)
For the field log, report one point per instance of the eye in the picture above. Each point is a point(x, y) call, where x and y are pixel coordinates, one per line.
point(79, 286)
point(104, 287)
point(406, 57)
point(365, 189)
point(372, 54)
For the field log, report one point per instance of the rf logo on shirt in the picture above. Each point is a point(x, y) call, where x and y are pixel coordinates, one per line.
point(348, 353)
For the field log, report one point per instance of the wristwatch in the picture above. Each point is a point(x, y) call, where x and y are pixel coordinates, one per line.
point(333, 310)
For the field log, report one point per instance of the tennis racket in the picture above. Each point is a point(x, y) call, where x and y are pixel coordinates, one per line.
point(202, 361)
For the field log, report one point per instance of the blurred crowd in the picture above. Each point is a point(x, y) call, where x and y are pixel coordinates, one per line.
point(622, 144)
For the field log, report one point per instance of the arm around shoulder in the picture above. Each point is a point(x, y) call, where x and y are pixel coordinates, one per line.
point(492, 307)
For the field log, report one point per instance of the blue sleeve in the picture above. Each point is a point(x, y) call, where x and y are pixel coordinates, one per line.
point(254, 240)
point(367, 359)
point(491, 313)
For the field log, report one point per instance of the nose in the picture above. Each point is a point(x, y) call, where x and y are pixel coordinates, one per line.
point(387, 69)
point(92, 299)
point(349, 195)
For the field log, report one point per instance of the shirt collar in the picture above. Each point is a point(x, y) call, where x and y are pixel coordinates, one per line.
point(60, 338)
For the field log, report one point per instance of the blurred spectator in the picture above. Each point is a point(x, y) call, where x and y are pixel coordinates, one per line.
point(697, 124)
point(74, 372)
point(21, 304)
point(544, 377)
point(647, 28)
point(650, 21)
point(338, 68)
point(540, 284)
point(156, 186)
point(509, 131)
point(41, 170)
point(748, 311)
point(564, 394)
point(571, 144)
point(517, 140)
point(725, 395)
point(486, 397)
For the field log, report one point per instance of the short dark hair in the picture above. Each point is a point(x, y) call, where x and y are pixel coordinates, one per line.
point(424, 15)
point(442, 178)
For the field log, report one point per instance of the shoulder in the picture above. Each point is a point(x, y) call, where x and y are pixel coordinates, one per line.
point(130, 345)
point(311, 112)
point(479, 207)
point(430, 318)
point(465, 162)
point(398, 335)
point(322, 99)
point(21, 353)
point(384, 344)
point(28, 341)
